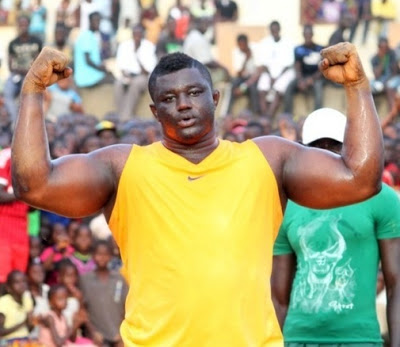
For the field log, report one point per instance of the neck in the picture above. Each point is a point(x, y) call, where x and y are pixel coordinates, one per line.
point(194, 153)
point(17, 297)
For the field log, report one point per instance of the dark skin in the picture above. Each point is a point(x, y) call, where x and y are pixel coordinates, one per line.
point(284, 268)
point(184, 104)
point(16, 288)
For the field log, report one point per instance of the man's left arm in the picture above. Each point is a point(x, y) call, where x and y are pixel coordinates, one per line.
point(390, 259)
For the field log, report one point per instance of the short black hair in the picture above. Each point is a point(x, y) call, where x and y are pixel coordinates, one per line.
point(174, 62)
point(55, 288)
point(103, 243)
point(242, 37)
point(12, 275)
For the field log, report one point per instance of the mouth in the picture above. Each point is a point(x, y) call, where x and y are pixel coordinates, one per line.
point(186, 122)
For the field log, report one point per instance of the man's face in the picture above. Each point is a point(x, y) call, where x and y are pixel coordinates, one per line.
point(184, 104)
point(275, 32)
point(23, 26)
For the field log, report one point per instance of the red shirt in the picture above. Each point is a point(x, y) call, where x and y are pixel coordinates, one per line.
point(13, 215)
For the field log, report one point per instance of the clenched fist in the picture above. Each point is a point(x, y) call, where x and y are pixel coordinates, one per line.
point(49, 67)
point(341, 64)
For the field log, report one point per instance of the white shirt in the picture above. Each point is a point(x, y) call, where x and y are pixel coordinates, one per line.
point(198, 47)
point(275, 55)
point(127, 59)
point(238, 59)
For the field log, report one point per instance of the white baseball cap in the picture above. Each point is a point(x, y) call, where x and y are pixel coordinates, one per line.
point(324, 123)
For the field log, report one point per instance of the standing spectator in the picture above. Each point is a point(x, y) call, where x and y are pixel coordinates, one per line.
point(15, 310)
point(181, 14)
point(152, 23)
point(244, 66)
point(203, 9)
point(363, 14)
point(384, 11)
point(227, 11)
point(14, 239)
point(104, 293)
point(275, 59)
point(308, 76)
point(135, 59)
point(341, 33)
point(325, 269)
point(37, 25)
point(168, 41)
point(21, 53)
point(89, 66)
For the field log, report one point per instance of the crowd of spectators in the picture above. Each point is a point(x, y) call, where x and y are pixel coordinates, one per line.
point(61, 279)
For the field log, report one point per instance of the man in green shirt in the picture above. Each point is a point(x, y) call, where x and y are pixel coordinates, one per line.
point(326, 261)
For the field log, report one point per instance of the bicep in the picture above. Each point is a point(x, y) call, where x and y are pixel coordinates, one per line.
point(78, 185)
point(318, 178)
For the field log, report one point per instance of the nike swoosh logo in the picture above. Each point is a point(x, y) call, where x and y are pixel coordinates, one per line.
point(190, 178)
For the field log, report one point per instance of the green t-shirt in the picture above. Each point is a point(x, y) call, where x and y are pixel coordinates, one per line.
point(334, 289)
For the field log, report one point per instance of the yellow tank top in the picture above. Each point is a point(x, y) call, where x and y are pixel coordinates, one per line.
point(196, 243)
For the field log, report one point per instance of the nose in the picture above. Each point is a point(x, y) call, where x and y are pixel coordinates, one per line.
point(183, 102)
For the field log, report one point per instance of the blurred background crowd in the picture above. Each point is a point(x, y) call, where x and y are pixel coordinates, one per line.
point(269, 81)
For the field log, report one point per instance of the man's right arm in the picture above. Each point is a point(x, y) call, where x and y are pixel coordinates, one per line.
point(75, 185)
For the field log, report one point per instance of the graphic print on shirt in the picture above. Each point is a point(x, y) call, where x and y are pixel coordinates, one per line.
point(325, 275)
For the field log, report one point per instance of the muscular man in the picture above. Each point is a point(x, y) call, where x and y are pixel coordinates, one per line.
point(194, 216)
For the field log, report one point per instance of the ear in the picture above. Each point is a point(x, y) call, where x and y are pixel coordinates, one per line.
point(154, 110)
point(216, 96)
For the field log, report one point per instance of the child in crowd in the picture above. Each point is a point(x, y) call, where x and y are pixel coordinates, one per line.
point(38, 291)
point(82, 257)
point(60, 249)
point(54, 330)
point(74, 311)
point(35, 249)
point(37, 288)
point(16, 319)
point(104, 292)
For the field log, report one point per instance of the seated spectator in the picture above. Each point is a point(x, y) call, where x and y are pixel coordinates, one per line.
point(168, 41)
point(227, 11)
point(82, 257)
point(199, 47)
point(275, 59)
point(385, 69)
point(89, 143)
point(135, 59)
point(104, 293)
point(308, 76)
point(244, 66)
point(88, 64)
point(61, 98)
point(16, 307)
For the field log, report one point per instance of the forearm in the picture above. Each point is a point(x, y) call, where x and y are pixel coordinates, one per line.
point(7, 331)
point(30, 153)
point(393, 315)
point(363, 144)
